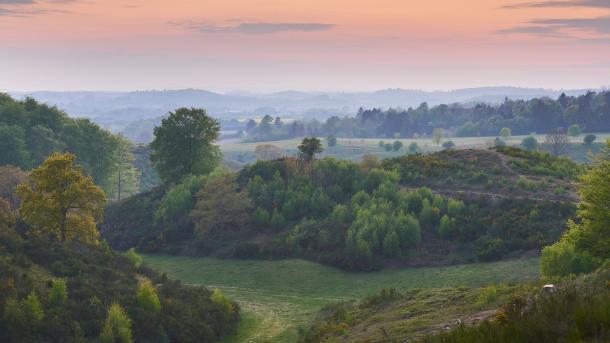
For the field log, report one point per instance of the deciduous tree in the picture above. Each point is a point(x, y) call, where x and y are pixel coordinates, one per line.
point(184, 144)
point(61, 201)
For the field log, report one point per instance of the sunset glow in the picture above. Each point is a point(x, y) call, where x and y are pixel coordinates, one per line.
point(309, 45)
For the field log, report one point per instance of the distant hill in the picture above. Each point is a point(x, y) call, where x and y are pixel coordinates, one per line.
point(129, 106)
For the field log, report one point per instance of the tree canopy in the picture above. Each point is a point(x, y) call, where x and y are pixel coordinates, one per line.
point(61, 201)
point(310, 146)
point(184, 144)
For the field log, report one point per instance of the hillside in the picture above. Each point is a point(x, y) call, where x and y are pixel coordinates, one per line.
point(444, 208)
point(95, 278)
point(577, 311)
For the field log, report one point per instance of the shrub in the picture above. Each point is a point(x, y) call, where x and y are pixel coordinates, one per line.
point(388, 147)
point(331, 141)
point(59, 292)
point(562, 259)
point(147, 297)
point(589, 139)
point(574, 130)
point(448, 145)
point(529, 143)
point(397, 145)
point(117, 327)
point(134, 257)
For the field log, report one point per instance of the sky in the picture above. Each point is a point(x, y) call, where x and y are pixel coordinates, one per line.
point(325, 45)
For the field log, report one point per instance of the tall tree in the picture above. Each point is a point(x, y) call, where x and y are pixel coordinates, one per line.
point(125, 181)
point(61, 201)
point(310, 146)
point(184, 144)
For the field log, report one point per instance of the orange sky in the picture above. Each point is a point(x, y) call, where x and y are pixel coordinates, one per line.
point(302, 44)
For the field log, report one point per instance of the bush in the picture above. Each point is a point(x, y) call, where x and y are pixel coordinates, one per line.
point(505, 132)
point(574, 130)
point(448, 145)
point(133, 256)
point(59, 293)
point(397, 145)
point(331, 141)
point(147, 297)
point(589, 139)
point(117, 327)
point(562, 259)
point(529, 143)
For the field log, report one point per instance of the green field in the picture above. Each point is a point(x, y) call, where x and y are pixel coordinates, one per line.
point(354, 148)
point(278, 297)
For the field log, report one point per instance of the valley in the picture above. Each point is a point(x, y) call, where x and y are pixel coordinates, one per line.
point(279, 297)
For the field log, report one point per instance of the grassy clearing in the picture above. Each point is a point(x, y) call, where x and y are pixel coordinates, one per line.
point(278, 297)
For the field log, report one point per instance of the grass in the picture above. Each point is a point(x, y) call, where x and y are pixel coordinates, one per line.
point(354, 148)
point(278, 297)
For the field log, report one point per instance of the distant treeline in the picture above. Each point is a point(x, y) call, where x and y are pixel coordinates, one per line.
point(590, 111)
point(31, 131)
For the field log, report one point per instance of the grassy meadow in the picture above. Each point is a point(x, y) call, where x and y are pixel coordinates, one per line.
point(354, 148)
point(278, 297)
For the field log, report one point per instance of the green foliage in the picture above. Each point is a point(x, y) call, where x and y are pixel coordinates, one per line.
point(260, 217)
point(134, 257)
point(220, 208)
point(505, 132)
point(448, 145)
point(446, 226)
point(60, 201)
point(95, 277)
point(589, 139)
point(117, 327)
point(221, 300)
point(125, 179)
point(331, 141)
point(574, 130)
point(499, 142)
point(397, 145)
point(562, 259)
point(147, 297)
point(59, 293)
point(30, 132)
point(180, 199)
point(413, 148)
point(310, 146)
point(529, 143)
point(184, 144)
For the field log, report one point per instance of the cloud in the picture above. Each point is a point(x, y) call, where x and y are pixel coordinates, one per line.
point(596, 25)
point(597, 29)
point(27, 8)
point(560, 4)
point(255, 27)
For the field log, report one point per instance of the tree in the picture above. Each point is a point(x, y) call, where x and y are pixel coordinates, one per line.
point(558, 142)
point(310, 146)
point(448, 145)
point(388, 147)
point(391, 244)
point(505, 132)
point(593, 210)
point(125, 180)
point(10, 178)
point(437, 136)
point(331, 141)
point(529, 143)
point(268, 152)
point(117, 327)
point(184, 144)
point(60, 201)
point(586, 244)
point(397, 145)
point(589, 139)
point(574, 130)
point(220, 208)
point(147, 297)
point(12, 147)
